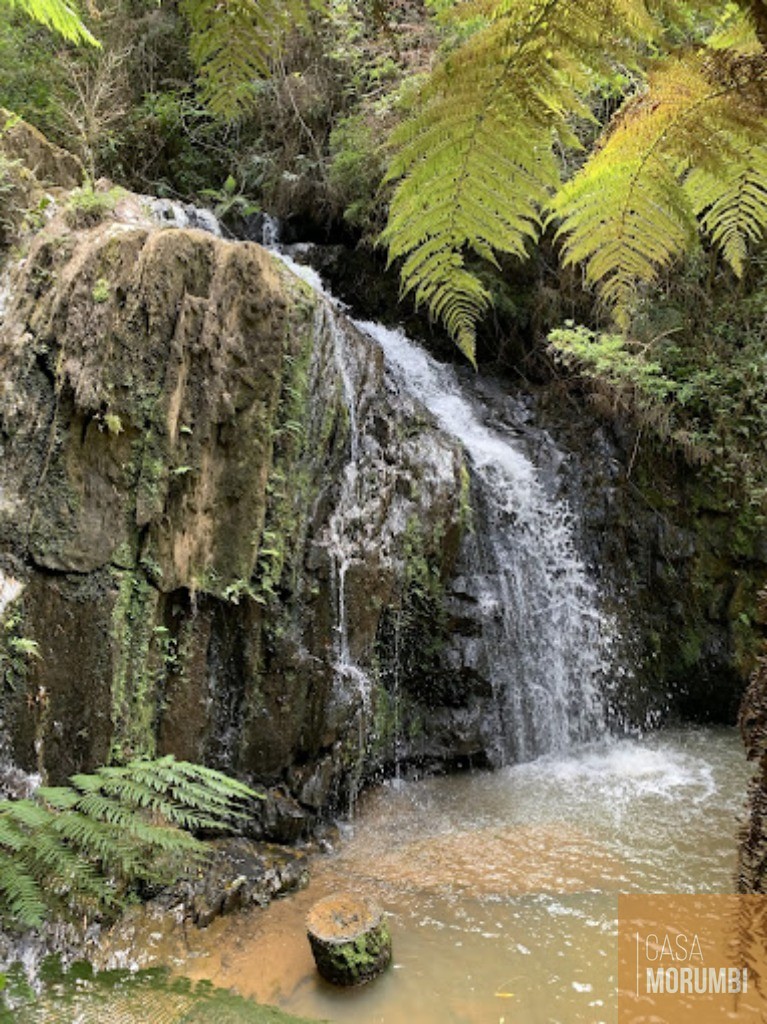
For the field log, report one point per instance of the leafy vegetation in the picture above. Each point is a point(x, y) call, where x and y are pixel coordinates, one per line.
point(12, 195)
point(57, 15)
point(88, 206)
point(232, 46)
point(81, 849)
point(479, 168)
point(708, 401)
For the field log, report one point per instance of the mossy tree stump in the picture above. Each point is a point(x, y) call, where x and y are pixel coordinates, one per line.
point(349, 939)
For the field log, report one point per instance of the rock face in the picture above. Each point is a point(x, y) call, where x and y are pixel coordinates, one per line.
point(212, 511)
point(240, 873)
point(49, 164)
point(226, 534)
point(683, 560)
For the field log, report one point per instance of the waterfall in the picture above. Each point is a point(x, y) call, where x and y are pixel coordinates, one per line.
point(171, 213)
point(546, 639)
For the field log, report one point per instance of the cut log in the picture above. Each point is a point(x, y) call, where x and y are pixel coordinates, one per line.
point(349, 939)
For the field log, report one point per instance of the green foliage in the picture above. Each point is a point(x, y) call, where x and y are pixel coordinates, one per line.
point(707, 400)
point(101, 291)
point(631, 210)
point(608, 357)
point(729, 203)
point(12, 198)
point(232, 45)
point(478, 164)
point(78, 849)
point(355, 172)
point(229, 201)
point(87, 207)
point(113, 423)
point(56, 15)
point(16, 650)
point(126, 997)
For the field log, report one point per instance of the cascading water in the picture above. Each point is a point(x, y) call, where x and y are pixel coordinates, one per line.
point(544, 632)
point(173, 214)
point(545, 637)
point(345, 517)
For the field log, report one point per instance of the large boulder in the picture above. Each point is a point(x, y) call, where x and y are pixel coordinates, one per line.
point(196, 567)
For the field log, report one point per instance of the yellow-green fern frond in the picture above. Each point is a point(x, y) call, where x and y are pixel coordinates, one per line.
point(476, 166)
point(735, 31)
point(232, 44)
point(626, 214)
point(63, 850)
point(732, 206)
point(58, 16)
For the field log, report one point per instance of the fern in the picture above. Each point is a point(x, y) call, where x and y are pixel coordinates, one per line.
point(476, 163)
point(57, 16)
point(77, 848)
point(632, 209)
point(477, 169)
point(232, 44)
point(732, 203)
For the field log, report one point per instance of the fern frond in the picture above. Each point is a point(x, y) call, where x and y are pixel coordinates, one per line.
point(58, 16)
point(626, 214)
point(735, 31)
point(66, 847)
point(476, 165)
point(232, 45)
point(732, 205)
point(21, 895)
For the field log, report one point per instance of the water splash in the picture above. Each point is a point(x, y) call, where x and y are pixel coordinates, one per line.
point(172, 214)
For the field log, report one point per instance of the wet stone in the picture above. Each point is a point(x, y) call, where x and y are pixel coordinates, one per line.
point(239, 873)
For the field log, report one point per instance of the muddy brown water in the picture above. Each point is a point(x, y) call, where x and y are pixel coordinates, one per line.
point(501, 888)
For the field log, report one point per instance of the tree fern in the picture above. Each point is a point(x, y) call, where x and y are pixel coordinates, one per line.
point(476, 166)
point(232, 44)
point(632, 209)
point(79, 847)
point(731, 203)
point(57, 16)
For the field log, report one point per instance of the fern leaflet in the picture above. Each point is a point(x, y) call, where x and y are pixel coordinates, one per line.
point(78, 847)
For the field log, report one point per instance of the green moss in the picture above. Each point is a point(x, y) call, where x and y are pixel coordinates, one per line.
point(81, 994)
point(356, 959)
point(87, 207)
point(291, 479)
point(134, 682)
point(101, 290)
point(16, 649)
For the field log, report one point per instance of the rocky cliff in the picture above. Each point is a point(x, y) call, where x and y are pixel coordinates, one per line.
point(185, 428)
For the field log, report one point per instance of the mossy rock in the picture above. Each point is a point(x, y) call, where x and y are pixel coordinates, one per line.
point(349, 938)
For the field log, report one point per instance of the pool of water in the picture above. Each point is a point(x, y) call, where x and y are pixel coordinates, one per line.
point(501, 888)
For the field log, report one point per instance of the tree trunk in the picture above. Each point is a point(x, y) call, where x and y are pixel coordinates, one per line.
point(349, 939)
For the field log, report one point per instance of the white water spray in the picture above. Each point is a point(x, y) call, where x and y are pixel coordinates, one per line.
point(548, 641)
